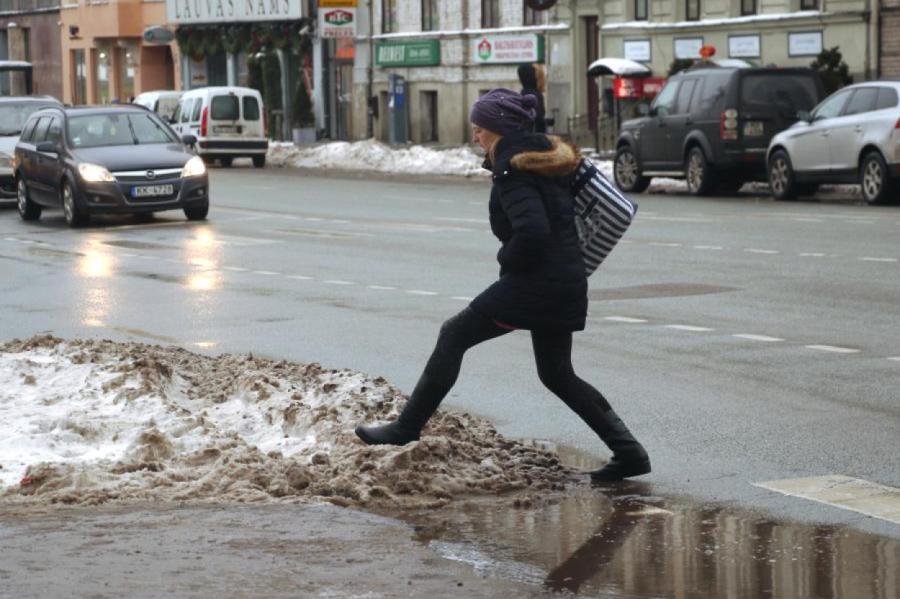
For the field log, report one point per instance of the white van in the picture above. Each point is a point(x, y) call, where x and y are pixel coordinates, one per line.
point(163, 102)
point(229, 122)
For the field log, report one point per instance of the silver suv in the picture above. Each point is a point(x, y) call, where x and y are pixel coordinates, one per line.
point(852, 136)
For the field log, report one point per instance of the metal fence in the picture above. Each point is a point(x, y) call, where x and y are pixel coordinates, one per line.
point(25, 6)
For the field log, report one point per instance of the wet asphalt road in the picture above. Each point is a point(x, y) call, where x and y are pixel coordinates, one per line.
point(743, 340)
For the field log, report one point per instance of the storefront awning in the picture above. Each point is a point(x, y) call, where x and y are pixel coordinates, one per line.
point(621, 67)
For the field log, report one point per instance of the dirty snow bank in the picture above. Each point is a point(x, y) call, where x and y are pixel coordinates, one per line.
point(90, 421)
point(370, 155)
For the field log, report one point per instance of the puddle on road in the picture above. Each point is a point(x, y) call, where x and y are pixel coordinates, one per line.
point(622, 541)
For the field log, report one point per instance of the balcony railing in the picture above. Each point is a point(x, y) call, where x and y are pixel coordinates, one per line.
point(26, 6)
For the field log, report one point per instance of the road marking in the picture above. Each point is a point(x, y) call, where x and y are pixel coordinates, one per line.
point(338, 282)
point(812, 254)
point(236, 268)
point(664, 244)
point(895, 359)
point(382, 287)
point(300, 277)
point(763, 338)
point(628, 319)
point(269, 273)
point(871, 259)
point(687, 327)
point(807, 220)
point(421, 292)
point(462, 298)
point(833, 349)
point(757, 251)
point(708, 247)
point(845, 492)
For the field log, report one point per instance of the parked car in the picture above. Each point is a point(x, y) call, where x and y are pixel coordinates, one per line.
point(106, 159)
point(14, 111)
point(229, 122)
point(164, 102)
point(853, 136)
point(712, 125)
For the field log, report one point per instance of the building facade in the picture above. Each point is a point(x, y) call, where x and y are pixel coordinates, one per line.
point(104, 57)
point(30, 31)
point(890, 40)
point(786, 33)
point(445, 54)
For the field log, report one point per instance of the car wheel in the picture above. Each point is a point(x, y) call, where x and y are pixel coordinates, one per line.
point(781, 176)
point(197, 212)
point(259, 161)
point(74, 213)
point(698, 173)
point(226, 161)
point(877, 187)
point(627, 172)
point(28, 210)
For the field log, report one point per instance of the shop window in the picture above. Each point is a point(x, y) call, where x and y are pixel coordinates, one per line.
point(640, 10)
point(748, 7)
point(127, 66)
point(693, 10)
point(80, 80)
point(809, 4)
point(101, 76)
point(532, 16)
point(490, 14)
point(388, 16)
point(430, 15)
point(428, 108)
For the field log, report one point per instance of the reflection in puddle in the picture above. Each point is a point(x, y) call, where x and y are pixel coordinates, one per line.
point(96, 265)
point(203, 254)
point(96, 261)
point(628, 543)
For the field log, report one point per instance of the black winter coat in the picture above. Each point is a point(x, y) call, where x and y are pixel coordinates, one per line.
point(542, 284)
point(540, 113)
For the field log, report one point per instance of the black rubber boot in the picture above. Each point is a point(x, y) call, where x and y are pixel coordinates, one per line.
point(409, 424)
point(629, 456)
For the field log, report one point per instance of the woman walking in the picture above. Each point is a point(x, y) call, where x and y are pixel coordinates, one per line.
point(542, 286)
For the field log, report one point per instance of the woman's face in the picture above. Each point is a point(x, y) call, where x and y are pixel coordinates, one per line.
point(484, 138)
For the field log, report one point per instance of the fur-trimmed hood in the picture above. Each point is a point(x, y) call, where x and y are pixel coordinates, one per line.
point(560, 160)
point(543, 155)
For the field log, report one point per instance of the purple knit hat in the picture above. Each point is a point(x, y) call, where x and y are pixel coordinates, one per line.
point(504, 111)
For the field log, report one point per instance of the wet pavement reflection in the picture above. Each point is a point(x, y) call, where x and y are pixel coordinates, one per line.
point(622, 541)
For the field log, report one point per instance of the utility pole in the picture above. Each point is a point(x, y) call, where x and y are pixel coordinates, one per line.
point(370, 109)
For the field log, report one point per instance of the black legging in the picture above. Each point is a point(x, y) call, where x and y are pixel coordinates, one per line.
point(552, 353)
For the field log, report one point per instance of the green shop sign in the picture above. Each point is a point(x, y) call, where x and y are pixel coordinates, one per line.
point(420, 53)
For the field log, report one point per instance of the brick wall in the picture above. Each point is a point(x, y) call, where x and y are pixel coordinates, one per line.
point(890, 43)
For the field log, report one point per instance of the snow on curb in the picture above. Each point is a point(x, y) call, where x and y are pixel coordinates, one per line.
point(86, 421)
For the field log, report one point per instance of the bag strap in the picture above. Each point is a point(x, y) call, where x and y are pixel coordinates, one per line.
point(590, 169)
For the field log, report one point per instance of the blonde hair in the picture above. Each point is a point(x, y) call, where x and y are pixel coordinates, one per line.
point(540, 77)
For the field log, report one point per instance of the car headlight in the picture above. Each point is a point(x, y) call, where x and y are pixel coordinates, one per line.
point(94, 173)
point(6, 161)
point(194, 167)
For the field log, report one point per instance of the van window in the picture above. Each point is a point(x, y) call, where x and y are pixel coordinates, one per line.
point(186, 111)
point(863, 100)
point(887, 98)
point(40, 132)
point(788, 93)
point(682, 106)
point(198, 108)
point(225, 108)
point(251, 109)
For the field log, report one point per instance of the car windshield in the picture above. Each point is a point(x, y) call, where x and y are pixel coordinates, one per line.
point(97, 130)
point(13, 117)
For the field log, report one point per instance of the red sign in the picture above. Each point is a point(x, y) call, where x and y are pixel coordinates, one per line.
point(625, 88)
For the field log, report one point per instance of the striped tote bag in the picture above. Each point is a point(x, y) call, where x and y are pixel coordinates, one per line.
point(602, 214)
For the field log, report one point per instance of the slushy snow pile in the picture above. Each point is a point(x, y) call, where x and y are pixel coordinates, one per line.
point(88, 421)
point(371, 155)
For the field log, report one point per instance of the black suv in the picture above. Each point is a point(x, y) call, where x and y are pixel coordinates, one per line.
point(712, 125)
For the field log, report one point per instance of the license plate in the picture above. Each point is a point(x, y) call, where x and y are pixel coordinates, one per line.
point(224, 129)
point(152, 191)
point(753, 129)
